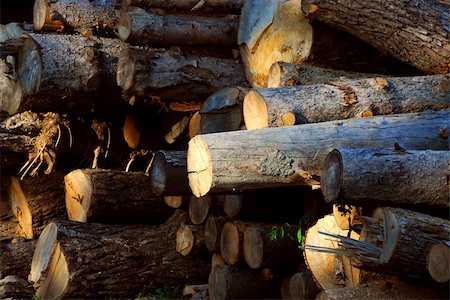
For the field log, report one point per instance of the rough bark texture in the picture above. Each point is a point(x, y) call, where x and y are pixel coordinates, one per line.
point(14, 148)
point(168, 173)
point(139, 27)
point(171, 73)
point(15, 257)
point(37, 201)
point(227, 161)
point(111, 196)
point(284, 74)
point(232, 282)
point(345, 98)
point(118, 260)
point(14, 287)
point(416, 32)
point(280, 32)
point(387, 177)
point(83, 16)
point(216, 6)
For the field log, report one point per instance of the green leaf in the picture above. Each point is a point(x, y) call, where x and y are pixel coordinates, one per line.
point(281, 232)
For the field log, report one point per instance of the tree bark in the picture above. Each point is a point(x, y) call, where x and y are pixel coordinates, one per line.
point(14, 148)
point(438, 264)
point(215, 6)
point(111, 196)
point(294, 155)
point(15, 258)
point(414, 32)
point(83, 16)
point(14, 287)
point(140, 27)
point(232, 282)
point(280, 33)
point(168, 173)
point(37, 201)
point(169, 74)
point(282, 74)
point(345, 98)
point(120, 260)
point(387, 177)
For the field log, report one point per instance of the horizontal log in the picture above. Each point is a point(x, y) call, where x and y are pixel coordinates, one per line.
point(14, 287)
point(214, 6)
point(106, 196)
point(140, 27)
point(119, 260)
point(15, 258)
point(416, 33)
point(294, 155)
point(190, 239)
point(377, 176)
point(345, 98)
point(85, 17)
point(168, 173)
point(170, 73)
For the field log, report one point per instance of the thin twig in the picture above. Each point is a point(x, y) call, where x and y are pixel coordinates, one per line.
point(59, 136)
point(32, 163)
point(150, 163)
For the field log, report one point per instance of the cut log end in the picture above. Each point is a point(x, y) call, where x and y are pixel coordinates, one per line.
point(217, 284)
point(19, 206)
point(173, 201)
point(229, 243)
point(255, 111)
point(124, 26)
point(78, 191)
point(199, 208)
point(158, 174)
point(126, 69)
point(199, 167)
point(39, 14)
point(194, 127)
point(232, 205)
point(331, 176)
point(274, 77)
point(345, 218)
point(210, 233)
point(184, 240)
point(438, 262)
point(253, 248)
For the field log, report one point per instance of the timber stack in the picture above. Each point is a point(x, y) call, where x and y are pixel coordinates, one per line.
point(225, 149)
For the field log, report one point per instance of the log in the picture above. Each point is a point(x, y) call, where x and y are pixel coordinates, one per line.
point(168, 173)
point(190, 239)
point(387, 177)
point(280, 33)
point(294, 155)
point(282, 74)
point(213, 229)
point(170, 73)
point(199, 208)
point(77, 66)
point(222, 111)
point(230, 203)
point(215, 6)
point(438, 262)
point(345, 98)
point(408, 235)
point(37, 201)
point(9, 225)
point(14, 148)
point(106, 196)
point(15, 258)
point(346, 216)
point(83, 16)
point(393, 27)
point(232, 282)
point(14, 287)
point(196, 291)
point(194, 126)
point(177, 201)
point(119, 260)
point(382, 291)
point(140, 27)
point(302, 286)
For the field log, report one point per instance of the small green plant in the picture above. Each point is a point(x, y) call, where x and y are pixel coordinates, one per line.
point(286, 230)
point(163, 293)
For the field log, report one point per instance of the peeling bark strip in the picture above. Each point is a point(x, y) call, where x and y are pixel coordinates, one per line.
point(111, 196)
point(393, 177)
point(228, 161)
point(120, 260)
point(139, 27)
point(83, 16)
point(170, 74)
point(345, 98)
point(216, 6)
point(416, 32)
point(37, 201)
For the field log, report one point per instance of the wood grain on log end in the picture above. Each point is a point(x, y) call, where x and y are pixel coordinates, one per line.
point(131, 133)
point(348, 217)
point(194, 127)
point(255, 111)
point(20, 208)
point(211, 233)
point(331, 176)
point(302, 286)
point(199, 167)
point(232, 204)
point(438, 263)
point(124, 26)
point(78, 190)
point(199, 208)
point(184, 240)
point(173, 201)
point(253, 248)
point(229, 243)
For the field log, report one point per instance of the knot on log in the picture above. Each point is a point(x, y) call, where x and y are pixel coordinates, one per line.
point(277, 163)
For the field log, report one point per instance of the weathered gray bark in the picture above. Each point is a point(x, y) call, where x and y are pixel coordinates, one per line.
point(413, 31)
point(387, 177)
point(139, 27)
point(216, 6)
point(293, 155)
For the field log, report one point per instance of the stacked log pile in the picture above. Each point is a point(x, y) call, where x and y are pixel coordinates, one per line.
point(230, 149)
